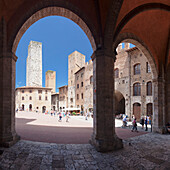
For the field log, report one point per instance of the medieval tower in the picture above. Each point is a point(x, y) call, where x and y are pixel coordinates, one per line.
point(50, 80)
point(34, 64)
point(76, 61)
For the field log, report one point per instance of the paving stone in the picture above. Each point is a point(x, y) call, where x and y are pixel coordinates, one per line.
point(151, 151)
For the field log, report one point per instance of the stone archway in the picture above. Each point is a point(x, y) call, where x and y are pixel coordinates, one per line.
point(119, 103)
point(157, 79)
point(51, 11)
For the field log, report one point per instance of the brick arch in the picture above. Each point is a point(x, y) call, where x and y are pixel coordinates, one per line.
point(49, 11)
point(136, 11)
point(131, 38)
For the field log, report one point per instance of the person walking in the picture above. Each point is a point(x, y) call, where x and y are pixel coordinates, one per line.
point(134, 125)
point(146, 123)
point(67, 117)
point(60, 117)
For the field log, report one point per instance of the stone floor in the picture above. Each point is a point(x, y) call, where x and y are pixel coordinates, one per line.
point(149, 151)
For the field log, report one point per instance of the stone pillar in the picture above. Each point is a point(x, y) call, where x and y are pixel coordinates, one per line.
point(159, 105)
point(8, 135)
point(104, 137)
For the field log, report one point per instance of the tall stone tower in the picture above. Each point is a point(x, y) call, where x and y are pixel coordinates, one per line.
point(34, 64)
point(50, 80)
point(76, 61)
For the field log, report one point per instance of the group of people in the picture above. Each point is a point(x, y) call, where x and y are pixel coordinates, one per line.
point(60, 115)
point(143, 121)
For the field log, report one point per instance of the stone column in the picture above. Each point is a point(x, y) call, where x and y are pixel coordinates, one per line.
point(8, 135)
point(159, 105)
point(104, 137)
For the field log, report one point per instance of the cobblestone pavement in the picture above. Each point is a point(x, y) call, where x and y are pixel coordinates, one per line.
point(149, 151)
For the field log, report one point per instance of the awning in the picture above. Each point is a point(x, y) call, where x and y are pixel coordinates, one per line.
point(71, 109)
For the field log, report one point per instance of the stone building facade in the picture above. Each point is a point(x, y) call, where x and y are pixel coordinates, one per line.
point(63, 98)
point(133, 83)
point(76, 61)
point(55, 101)
point(33, 99)
point(34, 64)
point(84, 87)
point(50, 80)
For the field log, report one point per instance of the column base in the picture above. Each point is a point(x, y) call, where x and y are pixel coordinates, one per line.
point(9, 141)
point(103, 145)
point(161, 130)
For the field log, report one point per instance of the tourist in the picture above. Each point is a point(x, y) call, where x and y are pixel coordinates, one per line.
point(51, 112)
point(60, 117)
point(146, 123)
point(134, 125)
point(124, 121)
point(67, 116)
point(142, 121)
point(87, 115)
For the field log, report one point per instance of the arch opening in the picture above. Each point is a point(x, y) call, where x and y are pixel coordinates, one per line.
point(50, 11)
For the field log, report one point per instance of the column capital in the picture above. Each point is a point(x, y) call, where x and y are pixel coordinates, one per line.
point(9, 55)
point(103, 52)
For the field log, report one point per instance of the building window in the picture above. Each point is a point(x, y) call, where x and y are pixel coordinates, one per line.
point(77, 96)
point(30, 91)
point(82, 95)
point(116, 71)
point(30, 98)
point(39, 97)
point(82, 74)
point(22, 98)
point(46, 98)
point(148, 69)
point(40, 91)
point(77, 86)
point(149, 88)
point(77, 77)
point(22, 91)
point(77, 106)
point(123, 81)
point(71, 99)
point(91, 79)
point(136, 69)
point(71, 82)
point(81, 84)
point(46, 92)
point(136, 89)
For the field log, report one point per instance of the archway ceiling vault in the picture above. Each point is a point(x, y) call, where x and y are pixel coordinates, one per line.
point(150, 23)
point(94, 12)
point(152, 27)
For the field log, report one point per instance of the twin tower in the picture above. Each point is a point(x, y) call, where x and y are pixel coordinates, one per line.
point(34, 68)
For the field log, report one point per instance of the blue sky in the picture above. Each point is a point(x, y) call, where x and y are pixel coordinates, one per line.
point(60, 37)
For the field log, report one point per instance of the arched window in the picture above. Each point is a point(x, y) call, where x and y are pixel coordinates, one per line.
point(91, 79)
point(116, 71)
point(30, 98)
point(136, 89)
point(136, 69)
point(149, 88)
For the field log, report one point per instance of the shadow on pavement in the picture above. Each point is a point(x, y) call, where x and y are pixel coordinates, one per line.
point(62, 135)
